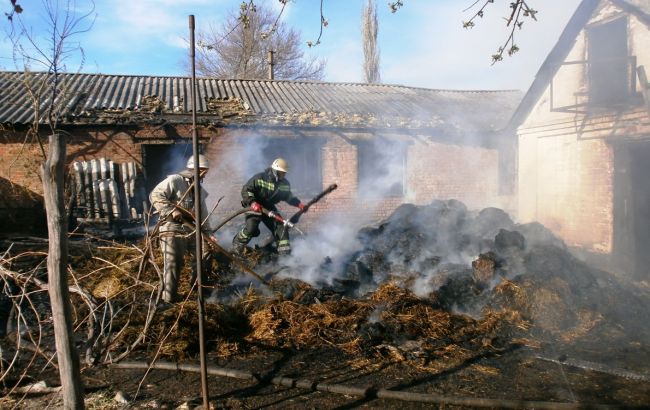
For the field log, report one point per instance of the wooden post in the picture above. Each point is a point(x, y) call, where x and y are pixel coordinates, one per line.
point(124, 194)
point(131, 170)
point(57, 272)
point(116, 199)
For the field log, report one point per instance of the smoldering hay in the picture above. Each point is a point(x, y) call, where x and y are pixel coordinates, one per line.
point(432, 285)
point(440, 275)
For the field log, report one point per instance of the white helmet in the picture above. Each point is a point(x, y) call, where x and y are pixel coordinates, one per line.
point(280, 165)
point(203, 162)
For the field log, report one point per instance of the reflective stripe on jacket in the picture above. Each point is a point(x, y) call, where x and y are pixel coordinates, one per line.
point(263, 188)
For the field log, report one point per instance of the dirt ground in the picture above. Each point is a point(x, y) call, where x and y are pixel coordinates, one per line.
point(511, 375)
point(523, 325)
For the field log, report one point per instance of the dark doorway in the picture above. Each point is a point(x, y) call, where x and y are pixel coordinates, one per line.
point(304, 159)
point(162, 160)
point(381, 168)
point(303, 156)
point(632, 208)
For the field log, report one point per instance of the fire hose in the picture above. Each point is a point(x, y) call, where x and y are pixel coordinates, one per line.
point(189, 221)
point(293, 220)
point(278, 218)
point(367, 392)
point(295, 217)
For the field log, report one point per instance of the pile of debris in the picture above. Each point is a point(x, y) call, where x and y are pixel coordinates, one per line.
point(432, 286)
point(439, 276)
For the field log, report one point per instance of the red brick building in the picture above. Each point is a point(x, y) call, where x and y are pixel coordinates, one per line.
point(382, 144)
point(584, 136)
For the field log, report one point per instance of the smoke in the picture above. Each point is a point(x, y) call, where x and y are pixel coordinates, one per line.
point(381, 168)
point(375, 315)
point(176, 158)
point(319, 258)
point(382, 178)
point(232, 163)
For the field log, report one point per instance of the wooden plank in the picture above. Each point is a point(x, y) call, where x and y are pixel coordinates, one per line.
point(116, 194)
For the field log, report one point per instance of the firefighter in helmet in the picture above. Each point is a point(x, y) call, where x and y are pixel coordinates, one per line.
point(263, 191)
point(174, 192)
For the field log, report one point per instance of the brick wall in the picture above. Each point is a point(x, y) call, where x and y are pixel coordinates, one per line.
point(567, 185)
point(447, 171)
point(21, 210)
point(432, 170)
point(20, 167)
point(21, 161)
point(566, 158)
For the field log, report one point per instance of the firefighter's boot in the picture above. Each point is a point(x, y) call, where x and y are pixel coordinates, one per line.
point(239, 242)
point(284, 247)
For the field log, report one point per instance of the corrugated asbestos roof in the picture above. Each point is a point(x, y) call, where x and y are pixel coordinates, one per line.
point(101, 99)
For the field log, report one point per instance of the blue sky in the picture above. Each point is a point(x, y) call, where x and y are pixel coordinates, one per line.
point(422, 45)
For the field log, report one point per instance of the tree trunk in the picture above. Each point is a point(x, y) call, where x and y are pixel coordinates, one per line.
point(57, 262)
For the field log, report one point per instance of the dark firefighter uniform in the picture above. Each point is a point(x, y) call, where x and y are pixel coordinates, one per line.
point(267, 189)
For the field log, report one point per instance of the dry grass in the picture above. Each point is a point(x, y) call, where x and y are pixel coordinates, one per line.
point(125, 287)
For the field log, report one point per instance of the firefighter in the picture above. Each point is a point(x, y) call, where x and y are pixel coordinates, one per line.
point(170, 194)
point(265, 190)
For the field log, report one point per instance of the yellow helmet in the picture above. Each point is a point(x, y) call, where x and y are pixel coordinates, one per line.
point(280, 165)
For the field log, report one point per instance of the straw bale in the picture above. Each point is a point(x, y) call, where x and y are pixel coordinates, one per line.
point(513, 294)
point(226, 348)
point(419, 321)
point(484, 268)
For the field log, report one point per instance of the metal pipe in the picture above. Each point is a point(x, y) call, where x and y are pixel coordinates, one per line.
point(198, 237)
point(367, 392)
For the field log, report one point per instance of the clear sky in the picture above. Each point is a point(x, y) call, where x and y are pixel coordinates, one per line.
point(422, 45)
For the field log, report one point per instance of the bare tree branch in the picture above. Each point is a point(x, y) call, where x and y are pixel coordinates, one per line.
point(50, 93)
point(239, 47)
point(519, 10)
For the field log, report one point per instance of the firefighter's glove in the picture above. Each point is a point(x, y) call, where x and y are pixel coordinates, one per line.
point(177, 215)
point(302, 207)
point(255, 207)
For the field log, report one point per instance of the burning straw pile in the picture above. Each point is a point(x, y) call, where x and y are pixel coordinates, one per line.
point(432, 286)
point(390, 323)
